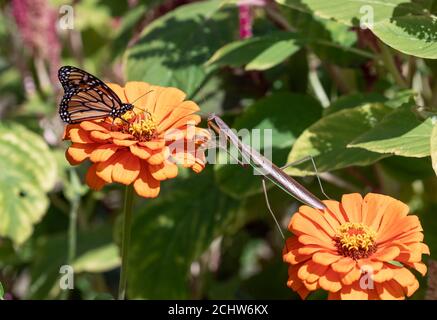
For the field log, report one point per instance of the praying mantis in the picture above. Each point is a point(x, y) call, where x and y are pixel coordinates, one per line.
point(267, 169)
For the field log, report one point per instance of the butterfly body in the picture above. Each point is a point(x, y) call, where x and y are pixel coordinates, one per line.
point(87, 98)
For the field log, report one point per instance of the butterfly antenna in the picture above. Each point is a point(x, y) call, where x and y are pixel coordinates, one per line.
point(140, 98)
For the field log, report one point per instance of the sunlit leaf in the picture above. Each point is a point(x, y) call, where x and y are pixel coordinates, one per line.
point(407, 27)
point(28, 171)
point(101, 259)
point(258, 53)
point(173, 49)
point(400, 133)
point(327, 140)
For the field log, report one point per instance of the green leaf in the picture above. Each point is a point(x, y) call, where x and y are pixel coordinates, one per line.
point(2, 291)
point(124, 35)
point(173, 49)
point(354, 100)
point(327, 140)
point(92, 14)
point(285, 115)
point(28, 151)
point(407, 169)
point(171, 233)
point(407, 27)
point(101, 259)
point(433, 142)
point(258, 53)
point(399, 133)
point(396, 263)
point(95, 253)
point(28, 171)
point(331, 41)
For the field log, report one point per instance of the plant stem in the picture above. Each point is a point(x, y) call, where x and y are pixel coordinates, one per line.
point(127, 221)
point(387, 59)
point(72, 230)
point(72, 227)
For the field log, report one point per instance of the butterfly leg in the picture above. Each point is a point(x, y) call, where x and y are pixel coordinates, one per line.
point(315, 170)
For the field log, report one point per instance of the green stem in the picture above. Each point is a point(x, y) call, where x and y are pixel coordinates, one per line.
point(72, 230)
point(72, 227)
point(390, 64)
point(127, 221)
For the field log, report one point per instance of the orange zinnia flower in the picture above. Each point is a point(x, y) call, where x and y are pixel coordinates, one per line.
point(356, 249)
point(142, 147)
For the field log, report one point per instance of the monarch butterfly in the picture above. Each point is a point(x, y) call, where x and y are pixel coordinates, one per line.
point(87, 98)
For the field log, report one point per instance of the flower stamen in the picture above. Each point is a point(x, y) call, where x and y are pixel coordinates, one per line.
point(355, 240)
point(143, 127)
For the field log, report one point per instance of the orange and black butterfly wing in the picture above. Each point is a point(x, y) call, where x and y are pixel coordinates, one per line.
point(80, 104)
point(86, 97)
point(72, 77)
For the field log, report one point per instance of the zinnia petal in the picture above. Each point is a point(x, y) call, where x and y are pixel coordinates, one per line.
point(93, 180)
point(166, 101)
point(145, 185)
point(126, 169)
point(351, 204)
point(390, 290)
point(163, 171)
point(103, 152)
point(79, 152)
point(330, 281)
point(80, 136)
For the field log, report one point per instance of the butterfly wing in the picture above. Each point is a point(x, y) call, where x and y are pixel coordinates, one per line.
point(80, 104)
point(86, 97)
point(72, 77)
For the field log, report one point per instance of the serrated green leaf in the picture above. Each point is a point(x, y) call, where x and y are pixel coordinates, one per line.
point(170, 233)
point(258, 53)
point(399, 133)
point(28, 171)
point(327, 139)
point(407, 27)
point(173, 49)
point(285, 115)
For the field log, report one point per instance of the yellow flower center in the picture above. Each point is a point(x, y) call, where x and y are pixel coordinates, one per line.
point(142, 126)
point(144, 129)
point(355, 240)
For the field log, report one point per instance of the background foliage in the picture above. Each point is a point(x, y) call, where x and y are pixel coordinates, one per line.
point(362, 102)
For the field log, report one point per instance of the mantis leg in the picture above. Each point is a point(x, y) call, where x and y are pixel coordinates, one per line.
point(315, 170)
point(270, 208)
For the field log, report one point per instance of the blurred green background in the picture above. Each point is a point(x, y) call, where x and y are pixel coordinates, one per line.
point(360, 101)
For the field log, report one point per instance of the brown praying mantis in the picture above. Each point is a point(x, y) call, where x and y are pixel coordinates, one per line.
point(267, 169)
